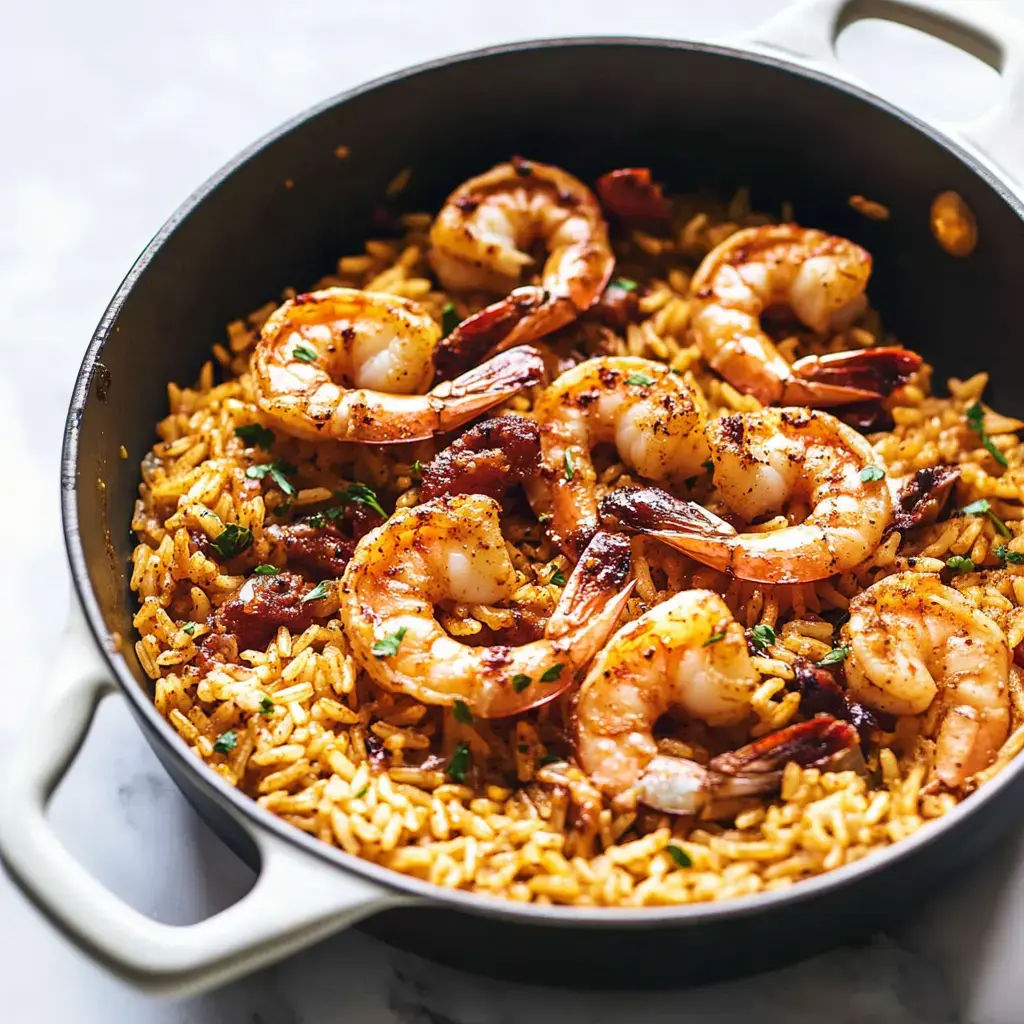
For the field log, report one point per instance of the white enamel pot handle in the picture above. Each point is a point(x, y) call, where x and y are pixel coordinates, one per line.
point(297, 899)
point(807, 31)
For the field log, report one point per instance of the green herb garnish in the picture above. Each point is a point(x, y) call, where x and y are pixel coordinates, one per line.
point(462, 714)
point(1006, 556)
point(458, 766)
point(449, 319)
point(557, 578)
point(976, 419)
point(276, 470)
point(256, 434)
point(361, 495)
point(266, 570)
point(266, 706)
point(549, 759)
point(523, 748)
point(982, 507)
point(232, 540)
point(304, 353)
point(713, 639)
point(226, 742)
point(544, 517)
point(626, 284)
point(764, 635)
point(550, 675)
point(640, 380)
point(364, 789)
point(871, 473)
point(318, 593)
point(190, 628)
point(570, 466)
point(690, 481)
point(709, 464)
point(387, 647)
point(835, 657)
point(416, 471)
point(520, 682)
point(679, 855)
point(959, 564)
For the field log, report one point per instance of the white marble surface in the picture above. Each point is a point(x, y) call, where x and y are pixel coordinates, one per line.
point(111, 112)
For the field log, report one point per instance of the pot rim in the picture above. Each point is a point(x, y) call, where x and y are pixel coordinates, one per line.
point(237, 804)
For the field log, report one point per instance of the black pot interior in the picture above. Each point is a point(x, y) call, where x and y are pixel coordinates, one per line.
point(695, 116)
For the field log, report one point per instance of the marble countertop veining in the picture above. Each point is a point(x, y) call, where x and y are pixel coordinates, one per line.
point(113, 111)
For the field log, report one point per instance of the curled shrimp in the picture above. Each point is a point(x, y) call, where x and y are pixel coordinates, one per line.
point(763, 461)
point(479, 241)
point(653, 417)
point(918, 646)
point(348, 365)
point(451, 548)
point(820, 277)
point(686, 655)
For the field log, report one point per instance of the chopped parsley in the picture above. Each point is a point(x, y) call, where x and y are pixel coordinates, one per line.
point(520, 682)
point(871, 473)
point(458, 766)
point(549, 759)
point(362, 495)
point(626, 284)
point(416, 471)
point(690, 481)
point(1006, 556)
point(679, 855)
point(318, 593)
point(256, 434)
point(449, 319)
point(266, 570)
point(958, 563)
point(713, 639)
point(387, 646)
point(982, 507)
point(570, 466)
point(835, 657)
point(276, 470)
point(557, 578)
point(976, 420)
point(544, 517)
point(523, 748)
point(709, 465)
point(364, 789)
point(266, 706)
point(190, 628)
point(550, 675)
point(304, 353)
point(640, 380)
point(764, 636)
point(462, 713)
point(232, 540)
point(226, 742)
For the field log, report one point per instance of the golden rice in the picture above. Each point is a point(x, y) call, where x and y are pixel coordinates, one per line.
point(363, 770)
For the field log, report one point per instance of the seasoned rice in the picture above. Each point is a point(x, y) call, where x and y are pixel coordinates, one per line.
point(300, 729)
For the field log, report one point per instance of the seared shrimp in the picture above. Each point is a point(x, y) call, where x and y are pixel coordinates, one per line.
point(347, 365)
point(479, 242)
point(653, 417)
point(686, 655)
point(763, 460)
point(914, 642)
point(820, 277)
point(452, 549)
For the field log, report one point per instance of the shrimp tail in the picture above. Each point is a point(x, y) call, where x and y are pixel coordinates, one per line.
point(485, 333)
point(652, 511)
point(631, 195)
point(823, 742)
point(599, 578)
point(487, 385)
point(876, 370)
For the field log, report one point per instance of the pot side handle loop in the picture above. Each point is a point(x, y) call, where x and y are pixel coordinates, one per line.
point(297, 899)
point(807, 31)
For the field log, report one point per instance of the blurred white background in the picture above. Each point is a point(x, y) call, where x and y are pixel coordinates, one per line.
point(112, 112)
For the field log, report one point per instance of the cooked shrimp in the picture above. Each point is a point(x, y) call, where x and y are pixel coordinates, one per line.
point(652, 416)
point(914, 642)
point(762, 461)
point(820, 277)
point(686, 655)
point(479, 242)
point(452, 549)
point(348, 365)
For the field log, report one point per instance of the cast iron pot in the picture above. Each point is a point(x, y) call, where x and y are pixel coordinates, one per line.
point(696, 114)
